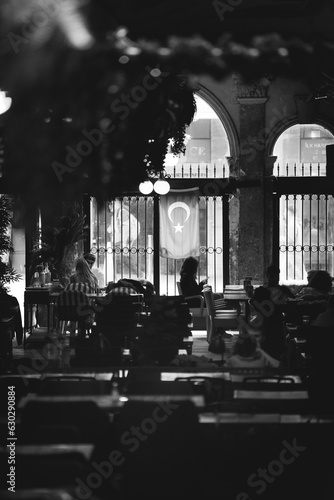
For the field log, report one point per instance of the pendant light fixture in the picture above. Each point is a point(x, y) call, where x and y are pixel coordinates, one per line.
point(161, 185)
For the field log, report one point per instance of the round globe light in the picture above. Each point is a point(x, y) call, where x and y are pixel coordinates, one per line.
point(146, 187)
point(5, 102)
point(161, 187)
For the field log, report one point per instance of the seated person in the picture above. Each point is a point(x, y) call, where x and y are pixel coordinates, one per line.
point(326, 318)
point(190, 286)
point(91, 259)
point(305, 288)
point(188, 281)
point(10, 323)
point(319, 287)
point(83, 279)
point(247, 354)
point(120, 288)
point(10, 307)
point(141, 286)
point(279, 293)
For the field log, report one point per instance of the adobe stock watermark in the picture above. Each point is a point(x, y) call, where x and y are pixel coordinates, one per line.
point(121, 107)
point(222, 7)
point(266, 476)
point(132, 440)
point(48, 9)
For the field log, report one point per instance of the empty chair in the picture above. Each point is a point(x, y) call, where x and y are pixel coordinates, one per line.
point(92, 421)
point(74, 306)
point(38, 467)
point(168, 456)
point(319, 346)
point(53, 433)
point(224, 318)
point(73, 384)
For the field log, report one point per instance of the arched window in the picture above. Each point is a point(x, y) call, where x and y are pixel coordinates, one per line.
point(207, 146)
point(301, 151)
point(306, 215)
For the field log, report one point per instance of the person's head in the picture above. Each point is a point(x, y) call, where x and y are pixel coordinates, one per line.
point(81, 265)
point(189, 266)
point(245, 345)
point(321, 281)
point(83, 272)
point(310, 275)
point(273, 274)
point(90, 259)
point(261, 293)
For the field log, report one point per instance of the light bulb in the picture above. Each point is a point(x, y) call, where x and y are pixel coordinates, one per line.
point(146, 187)
point(5, 102)
point(161, 186)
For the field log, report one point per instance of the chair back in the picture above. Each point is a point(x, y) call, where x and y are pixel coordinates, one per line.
point(319, 346)
point(71, 305)
point(209, 300)
point(117, 317)
point(68, 302)
point(91, 420)
point(81, 287)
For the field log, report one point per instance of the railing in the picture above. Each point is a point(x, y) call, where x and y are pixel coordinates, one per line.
point(306, 235)
point(203, 170)
point(122, 238)
point(300, 170)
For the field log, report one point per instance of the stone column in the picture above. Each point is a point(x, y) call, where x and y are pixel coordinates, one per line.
point(234, 214)
point(247, 210)
point(268, 186)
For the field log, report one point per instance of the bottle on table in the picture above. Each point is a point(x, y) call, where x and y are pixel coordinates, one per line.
point(47, 274)
point(42, 276)
point(35, 280)
point(38, 279)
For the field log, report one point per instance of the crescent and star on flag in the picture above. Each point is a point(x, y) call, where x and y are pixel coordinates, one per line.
point(178, 204)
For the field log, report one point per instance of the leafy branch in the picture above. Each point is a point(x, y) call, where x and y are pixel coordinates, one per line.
point(7, 273)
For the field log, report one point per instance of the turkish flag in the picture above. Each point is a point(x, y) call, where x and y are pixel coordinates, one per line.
point(179, 224)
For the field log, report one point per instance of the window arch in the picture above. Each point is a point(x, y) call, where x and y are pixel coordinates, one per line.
point(301, 151)
point(210, 139)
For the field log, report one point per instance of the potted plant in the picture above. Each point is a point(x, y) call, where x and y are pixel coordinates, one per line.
point(59, 245)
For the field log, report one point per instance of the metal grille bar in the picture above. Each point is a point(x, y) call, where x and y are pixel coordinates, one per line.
point(306, 235)
point(122, 239)
point(210, 252)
